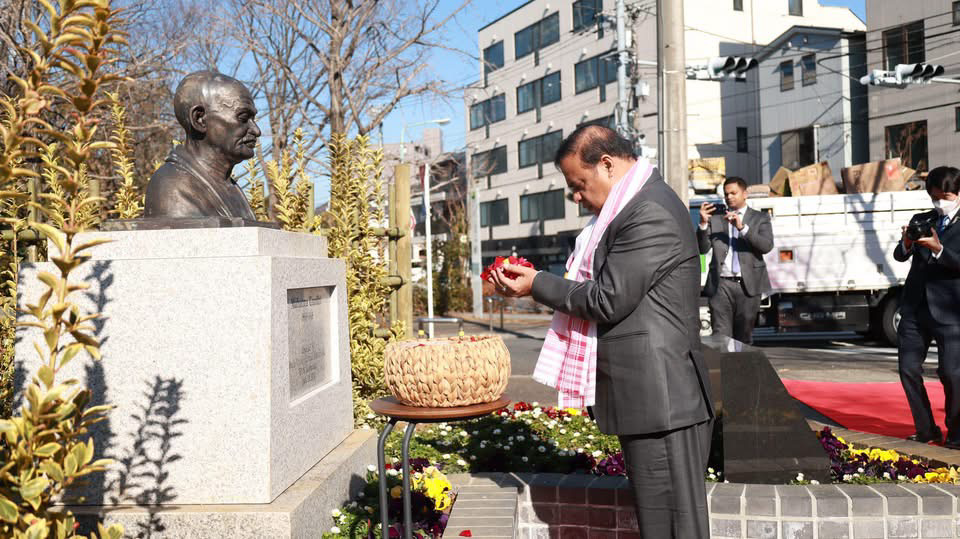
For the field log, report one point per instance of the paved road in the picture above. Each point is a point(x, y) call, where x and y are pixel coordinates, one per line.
point(841, 357)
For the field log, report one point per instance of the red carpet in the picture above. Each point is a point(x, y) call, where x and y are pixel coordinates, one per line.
point(875, 408)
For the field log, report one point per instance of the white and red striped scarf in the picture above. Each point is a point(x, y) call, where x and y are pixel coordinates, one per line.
point(568, 359)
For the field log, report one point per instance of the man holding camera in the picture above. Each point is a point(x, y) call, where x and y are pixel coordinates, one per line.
point(928, 306)
point(740, 237)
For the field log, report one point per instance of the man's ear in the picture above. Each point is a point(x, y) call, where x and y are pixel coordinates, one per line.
point(198, 119)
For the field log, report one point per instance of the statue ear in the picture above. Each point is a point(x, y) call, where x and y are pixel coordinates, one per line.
point(198, 120)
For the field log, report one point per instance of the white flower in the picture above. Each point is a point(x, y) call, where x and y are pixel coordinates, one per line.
point(535, 404)
point(483, 445)
point(510, 438)
point(586, 445)
point(461, 462)
point(473, 457)
point(360, 494)
point(590, 437)
point(711, 470)
point(352, 505)
point(886, 475)
point(800, 476)
point(712, 477)
point(371, 468)
point(446, 456)
point(596, 454)
point(847, 477)
point(392, 472)
point(476, 432)
point(542, 449)
point(563, 431)
point(448, 428)
point(860, 470)
point(443, 433)
point(335, 513)
point(576, 434)
point(335, 530)
point(520, 438)
point(528, 422)
point(535, 438)
point(579, 450)
point(371, 416)
point(497, 431)
point(463, 433)
point(814, 482)
point(524, 459)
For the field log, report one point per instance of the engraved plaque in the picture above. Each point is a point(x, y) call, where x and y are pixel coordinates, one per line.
point(309, 317)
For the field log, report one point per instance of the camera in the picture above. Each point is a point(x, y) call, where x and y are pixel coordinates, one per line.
point(719, 209)
point(921, 228)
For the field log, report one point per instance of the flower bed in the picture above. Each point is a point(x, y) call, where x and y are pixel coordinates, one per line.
point(533, 439)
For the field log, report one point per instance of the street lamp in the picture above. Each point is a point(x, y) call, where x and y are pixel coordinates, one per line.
point(426, 224)
point(403, 130)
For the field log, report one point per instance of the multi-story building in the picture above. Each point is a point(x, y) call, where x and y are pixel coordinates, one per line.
point(812, 105)
point(920, 123)
point(550, 66)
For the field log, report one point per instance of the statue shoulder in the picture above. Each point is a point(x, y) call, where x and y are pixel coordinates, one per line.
point(168, 193)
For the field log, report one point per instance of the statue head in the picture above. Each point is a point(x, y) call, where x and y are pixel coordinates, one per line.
point(218, 111)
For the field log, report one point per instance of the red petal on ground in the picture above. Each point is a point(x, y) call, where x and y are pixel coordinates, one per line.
point(466, 533)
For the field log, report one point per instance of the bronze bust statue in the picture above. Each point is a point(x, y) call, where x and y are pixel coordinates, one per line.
point(218, 117)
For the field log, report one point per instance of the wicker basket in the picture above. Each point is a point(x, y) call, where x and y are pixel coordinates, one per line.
point(443, 373)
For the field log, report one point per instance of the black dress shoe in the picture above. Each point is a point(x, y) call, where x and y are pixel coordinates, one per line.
point(952, 443)
point(934, 436)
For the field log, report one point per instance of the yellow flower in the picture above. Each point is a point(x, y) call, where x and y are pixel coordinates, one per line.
point(396, 491)
point(573, 411)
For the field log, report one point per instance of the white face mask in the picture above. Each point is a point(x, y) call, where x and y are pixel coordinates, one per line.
point(945, 206)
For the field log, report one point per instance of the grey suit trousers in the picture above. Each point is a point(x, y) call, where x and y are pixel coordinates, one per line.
point(732, 312)
point(666, 476)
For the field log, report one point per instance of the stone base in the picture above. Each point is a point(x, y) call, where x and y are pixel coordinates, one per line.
point(165, 223)
point(301, 511)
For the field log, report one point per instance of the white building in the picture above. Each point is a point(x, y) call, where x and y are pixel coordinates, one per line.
point(812, 105)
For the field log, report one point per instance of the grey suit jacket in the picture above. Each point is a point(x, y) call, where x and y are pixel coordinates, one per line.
point(757, 242)
point(651, 376)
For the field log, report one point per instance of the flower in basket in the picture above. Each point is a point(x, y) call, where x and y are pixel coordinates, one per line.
point(500, 261)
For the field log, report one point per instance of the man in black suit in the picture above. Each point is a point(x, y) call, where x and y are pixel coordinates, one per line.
point(929, 307)
point(738, 275)
point(652, 386)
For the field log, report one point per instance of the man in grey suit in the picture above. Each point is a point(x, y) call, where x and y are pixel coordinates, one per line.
point(738, 275)
point(652, 387)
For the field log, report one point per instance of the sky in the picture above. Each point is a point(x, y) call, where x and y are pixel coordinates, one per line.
point(462, 70)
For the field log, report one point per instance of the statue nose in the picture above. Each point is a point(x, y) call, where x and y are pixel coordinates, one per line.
point(255, 130)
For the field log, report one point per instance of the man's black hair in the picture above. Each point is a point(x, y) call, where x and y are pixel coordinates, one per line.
point(737, 180)
point(591, 142)
point(946, 179)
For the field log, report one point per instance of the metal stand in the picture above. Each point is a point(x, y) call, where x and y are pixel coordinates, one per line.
point(396, 412)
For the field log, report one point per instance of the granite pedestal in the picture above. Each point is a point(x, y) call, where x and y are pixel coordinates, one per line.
point(226, 354)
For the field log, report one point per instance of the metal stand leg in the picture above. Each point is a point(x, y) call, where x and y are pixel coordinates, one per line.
point(407, 511)
point(382, 477)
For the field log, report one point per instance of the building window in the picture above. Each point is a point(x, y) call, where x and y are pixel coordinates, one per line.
point(493, 57)
point(585, 13)
point(796, 7)
point(786, 75)
point(495, 213)
point(538, 93)
point(738, 5)
point(908, 142)
point(489, 111)
point(541, 206)
point(594, 72)
point(537, 36)
point(956, 13)
point(797, 149)
point(808, 64)
point(539, 150)
point(904, 45)
point(742, 140)
point(490, 162)
point(605, 121)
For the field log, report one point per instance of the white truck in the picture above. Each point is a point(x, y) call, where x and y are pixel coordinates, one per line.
point(832, 266)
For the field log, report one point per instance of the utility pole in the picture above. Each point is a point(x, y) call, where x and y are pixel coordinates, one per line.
point(673, 99)
point(623, 58)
